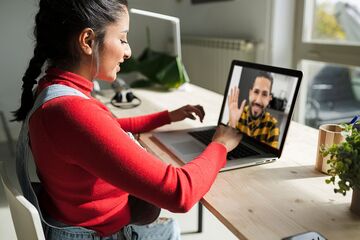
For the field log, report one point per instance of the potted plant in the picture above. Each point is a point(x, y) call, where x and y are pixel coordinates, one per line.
point(344, 162)
point(156, 68)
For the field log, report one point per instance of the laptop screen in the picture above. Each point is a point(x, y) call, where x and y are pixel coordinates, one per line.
point(270, 95)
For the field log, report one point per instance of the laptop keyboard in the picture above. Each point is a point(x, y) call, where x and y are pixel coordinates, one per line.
point(240, 151)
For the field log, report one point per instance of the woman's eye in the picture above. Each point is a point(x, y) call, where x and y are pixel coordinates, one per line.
point(123, 41)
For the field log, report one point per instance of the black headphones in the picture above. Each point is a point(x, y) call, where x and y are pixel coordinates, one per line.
point(131, 100)
point(121, 88)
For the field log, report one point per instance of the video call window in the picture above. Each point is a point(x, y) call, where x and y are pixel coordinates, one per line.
point(268, 101)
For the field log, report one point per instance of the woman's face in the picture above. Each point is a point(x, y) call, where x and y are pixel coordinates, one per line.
point(115, 49)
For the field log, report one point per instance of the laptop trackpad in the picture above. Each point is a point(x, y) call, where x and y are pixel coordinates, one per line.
point(188, 147)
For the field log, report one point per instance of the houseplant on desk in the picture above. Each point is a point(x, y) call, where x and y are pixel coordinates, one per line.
point(344, 161)
point(157, 68)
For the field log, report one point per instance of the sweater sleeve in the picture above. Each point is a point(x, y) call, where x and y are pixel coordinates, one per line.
point(144, 123)
point(94, 140)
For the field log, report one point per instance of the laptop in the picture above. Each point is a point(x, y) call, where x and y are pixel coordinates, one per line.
point(270, 92)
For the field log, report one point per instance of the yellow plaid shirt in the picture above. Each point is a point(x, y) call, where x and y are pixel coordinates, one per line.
point(264, 129)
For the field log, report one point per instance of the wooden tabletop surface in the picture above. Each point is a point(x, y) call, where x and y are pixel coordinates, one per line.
point(269, 201)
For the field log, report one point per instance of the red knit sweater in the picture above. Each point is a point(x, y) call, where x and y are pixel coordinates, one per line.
point(88, 165)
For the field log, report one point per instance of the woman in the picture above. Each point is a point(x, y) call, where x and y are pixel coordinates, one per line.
point(97, 182)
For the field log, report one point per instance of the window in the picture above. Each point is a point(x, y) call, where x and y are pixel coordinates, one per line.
point(327, 50)
point(332, 21)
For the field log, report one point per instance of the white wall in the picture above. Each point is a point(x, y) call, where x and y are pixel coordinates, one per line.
point(249, 19)
point(16, 23)
point(270, 23)
point(245, 19)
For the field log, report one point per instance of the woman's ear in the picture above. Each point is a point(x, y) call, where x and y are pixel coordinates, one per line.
point(86, 41)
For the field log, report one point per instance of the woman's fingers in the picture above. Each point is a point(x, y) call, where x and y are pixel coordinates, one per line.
point(197, 109)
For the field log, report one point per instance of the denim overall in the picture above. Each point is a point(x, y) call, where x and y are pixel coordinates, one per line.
point(53, 230)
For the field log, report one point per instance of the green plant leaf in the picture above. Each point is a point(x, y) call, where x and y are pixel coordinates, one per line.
point(344, 161)
point(172, 75)
point(130, 65)
point(159, 68)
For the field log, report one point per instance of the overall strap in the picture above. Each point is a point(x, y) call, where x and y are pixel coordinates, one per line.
point(23, 150)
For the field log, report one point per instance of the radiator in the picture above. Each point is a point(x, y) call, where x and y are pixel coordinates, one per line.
point(208, 60)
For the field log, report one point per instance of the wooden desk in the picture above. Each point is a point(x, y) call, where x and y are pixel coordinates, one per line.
point(269, 201)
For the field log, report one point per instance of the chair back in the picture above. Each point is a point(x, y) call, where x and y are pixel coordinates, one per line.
point(332, 84)
point(25, 217)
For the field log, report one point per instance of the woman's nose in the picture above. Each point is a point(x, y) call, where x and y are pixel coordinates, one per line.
point(127, 53)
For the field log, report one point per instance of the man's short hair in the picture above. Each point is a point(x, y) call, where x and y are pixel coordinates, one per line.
point(266, 75)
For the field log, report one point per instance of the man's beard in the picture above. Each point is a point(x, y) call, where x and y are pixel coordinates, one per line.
point(253, 117)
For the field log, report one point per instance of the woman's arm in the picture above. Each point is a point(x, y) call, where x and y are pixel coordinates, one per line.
point(144, 123)
point(151, 121)
point(104, 149)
